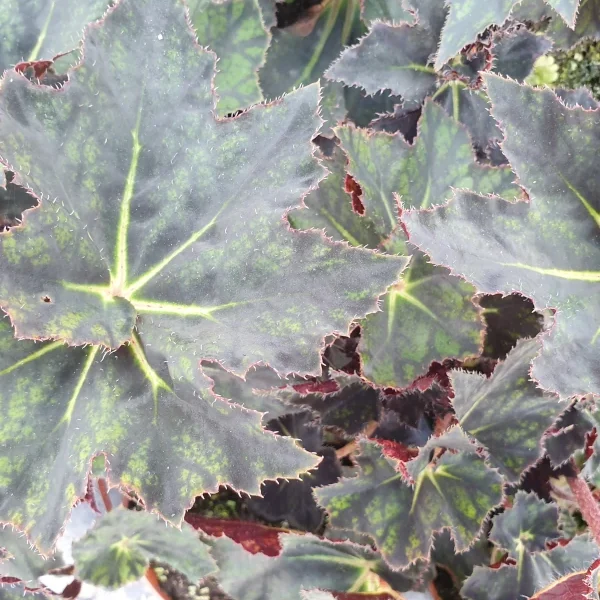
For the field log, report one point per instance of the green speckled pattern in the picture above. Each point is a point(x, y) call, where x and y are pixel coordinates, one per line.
point(422, 175)
point(234, 31)
point(41, 29)
point(548, 248)
point(456, 492)
point(507, 413)
point(118, 550)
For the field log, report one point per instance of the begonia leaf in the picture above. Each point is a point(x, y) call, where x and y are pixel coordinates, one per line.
point(546, 248)
point(532, 573)
point(456, 491)
point(296, 57)
point(119, 549)
point(305, 562)
point(43, 28)
point(526, 526)
point(234, 31)
point(14, 200)
point(507, 413)
point(514, 54)
point(391, 11)
point(142, 223)
point(19, 559)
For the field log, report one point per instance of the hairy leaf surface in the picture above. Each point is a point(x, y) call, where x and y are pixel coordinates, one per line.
point(119, 549)
point(143, 223)
point(235, 32)
point(547, 248)
point(533, 572)
point(507, 413)
point(391, 11)
point(457, 492)
point(305, 562)
point(43, 28)
point(21, 560)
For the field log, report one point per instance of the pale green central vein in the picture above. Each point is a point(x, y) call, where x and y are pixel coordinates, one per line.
point(84, 373)
point(340, 228)
point(475, 404)
point(120, 274)
point(588, 276)
point(142, 280)
point(340, 560)
point(414, 67)
point(156, 381)
point(32, 357)
point(182, 310)
point(591, 210)
point(425, 202)
point(596, 335)
point(43, 33)
point(388, 210)
point(405, 295)
point(100, 290)
point(455, 102)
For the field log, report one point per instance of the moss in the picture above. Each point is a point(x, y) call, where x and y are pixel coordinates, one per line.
point(579, 67)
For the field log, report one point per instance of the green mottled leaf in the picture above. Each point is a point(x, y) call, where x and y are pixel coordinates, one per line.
point(234, 31)
point(507, 413)
point(14, 200)
point(455, 491)
point(428, 315)
point(39, 29)
point(329, 207)
point(385, 10)
point(567, 9)
point(136, 230)
point(526, 526)
point(587, 25)
point(421, 175)
point(305, 562)
point(390, 57)
point(546, 248)
point(533, 572)
point(19, 559)
point(300, 55)
point(119, 549)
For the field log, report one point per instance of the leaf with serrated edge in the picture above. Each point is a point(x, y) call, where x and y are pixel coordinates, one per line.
point(514, 54)
point(43, 28)
point(20, 559)
point(234, 31)
point(422, 174)
point(14, 200)
point(304, 562)
point(456, 492)
point(532, 573)
point(296, 58)
point(138, 209)
point(507, 413)
point(390, 57)
point(547, 248)
point(526, 526)
point(119, 549)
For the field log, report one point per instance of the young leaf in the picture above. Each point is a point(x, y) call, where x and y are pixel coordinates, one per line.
point(43, 28)
point(305, 562)
point(457, 491)
point(119, 549)
point(526, 526)
point(234, 31)
point(533, 572)
point(547, 248)
point(297, 58)
point(507, 413)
